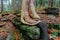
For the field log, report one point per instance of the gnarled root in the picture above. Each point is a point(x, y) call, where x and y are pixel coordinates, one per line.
point(22, 12)
point(25, 18)
point(32, 10)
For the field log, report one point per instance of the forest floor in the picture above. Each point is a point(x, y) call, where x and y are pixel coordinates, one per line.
point(10, 16)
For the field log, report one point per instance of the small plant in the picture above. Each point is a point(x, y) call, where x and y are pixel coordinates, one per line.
point(51, 26)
